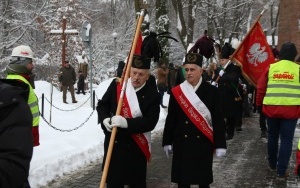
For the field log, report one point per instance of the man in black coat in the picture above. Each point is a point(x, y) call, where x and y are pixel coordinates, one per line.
point(138, 117)
point(194, 127)
point(16, 140)
point(228, 87)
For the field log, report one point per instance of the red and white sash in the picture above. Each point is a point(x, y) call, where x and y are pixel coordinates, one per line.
point(194, 108)
point(132, 110)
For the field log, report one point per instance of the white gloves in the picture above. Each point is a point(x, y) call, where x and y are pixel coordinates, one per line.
point(221, 72)
point(220, 152)
point(119, 121)
point(244, 86)
point(115, 121)
point(107, 124)
point(214, 83)
point(168, 150)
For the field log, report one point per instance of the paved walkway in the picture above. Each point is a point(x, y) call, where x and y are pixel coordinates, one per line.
point(244, 166)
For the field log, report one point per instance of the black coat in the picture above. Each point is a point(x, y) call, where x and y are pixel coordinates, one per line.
point(128, 163)
point(192, 150)
point(80, 83)
point(16, 140)
point(228, 84)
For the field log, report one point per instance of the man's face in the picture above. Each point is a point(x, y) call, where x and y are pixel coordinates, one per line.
point(30, 66)
point(193, 73)
point(66, 64)
point(138, 76)
point(223, 62)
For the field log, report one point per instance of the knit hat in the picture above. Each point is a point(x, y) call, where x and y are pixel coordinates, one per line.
point(193, 58)
point(140, 62)
point(288, 51)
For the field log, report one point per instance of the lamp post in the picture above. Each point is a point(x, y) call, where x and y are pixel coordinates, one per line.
point(114, 35)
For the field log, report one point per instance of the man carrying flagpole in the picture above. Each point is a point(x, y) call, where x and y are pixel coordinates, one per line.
point(138, 117)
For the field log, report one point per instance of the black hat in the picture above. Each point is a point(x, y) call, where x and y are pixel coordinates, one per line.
point(140, 62)
point(226, 51)
point(193, 58)
point(121, 65)
point(288, 51)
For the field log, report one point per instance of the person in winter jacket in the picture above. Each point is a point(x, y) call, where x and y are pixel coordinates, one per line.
point(16, 140)
point(20, 68)
point(194, 127)
point(278, 96)
point(138, 117)
point(67, 78)
point(80, 83)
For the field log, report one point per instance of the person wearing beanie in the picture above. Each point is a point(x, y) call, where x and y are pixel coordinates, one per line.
point(138, 116)
point(278, 96)
point(20, 68)
point(194, 128)
point(67, 79)
point(228, 84)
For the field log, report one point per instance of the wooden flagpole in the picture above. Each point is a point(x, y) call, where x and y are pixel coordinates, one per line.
point(124, 83)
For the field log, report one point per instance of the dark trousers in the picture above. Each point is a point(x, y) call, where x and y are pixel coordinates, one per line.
point(161, 91)
point(188, 186)
point(231, 124)
point(141, 185)
point(262, 122)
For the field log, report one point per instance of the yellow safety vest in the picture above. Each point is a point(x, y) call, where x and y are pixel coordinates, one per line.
point(283, 84)
point(32, 100)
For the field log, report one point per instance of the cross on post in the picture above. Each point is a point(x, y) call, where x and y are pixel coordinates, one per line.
point(64, 32)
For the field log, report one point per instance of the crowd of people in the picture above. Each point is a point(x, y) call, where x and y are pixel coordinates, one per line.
point(206, 107)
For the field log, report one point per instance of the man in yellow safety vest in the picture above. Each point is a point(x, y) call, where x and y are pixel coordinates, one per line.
point(20, 68)
point(278, 93)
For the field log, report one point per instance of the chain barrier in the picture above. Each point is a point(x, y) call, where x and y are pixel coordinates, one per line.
point(70, 109)
point(68, 130)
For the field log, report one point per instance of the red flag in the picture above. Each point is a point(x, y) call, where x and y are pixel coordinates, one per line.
point(254, 54)
point(139, 42)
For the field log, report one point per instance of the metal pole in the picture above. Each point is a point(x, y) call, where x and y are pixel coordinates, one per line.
point(91, 76)
point(63, 58)
point(114, 54)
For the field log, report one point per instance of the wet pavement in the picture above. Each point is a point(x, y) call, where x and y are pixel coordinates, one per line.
point(244, 166)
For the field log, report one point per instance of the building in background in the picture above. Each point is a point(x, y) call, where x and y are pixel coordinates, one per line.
point(289, 22)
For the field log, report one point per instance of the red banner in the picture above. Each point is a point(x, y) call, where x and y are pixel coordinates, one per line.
point(254, 54)
point(139, 42)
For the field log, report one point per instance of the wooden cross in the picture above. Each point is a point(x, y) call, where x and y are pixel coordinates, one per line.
point(64, 32)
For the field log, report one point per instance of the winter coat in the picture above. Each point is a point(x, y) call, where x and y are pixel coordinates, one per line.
point(80, 83)
point(67, 76)
point(228, 85)
point(162, 74)
point(16, 140)
point(192, 150)
point(128, 164)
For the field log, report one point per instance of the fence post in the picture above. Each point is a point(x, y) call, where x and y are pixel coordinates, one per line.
point(93, 100)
